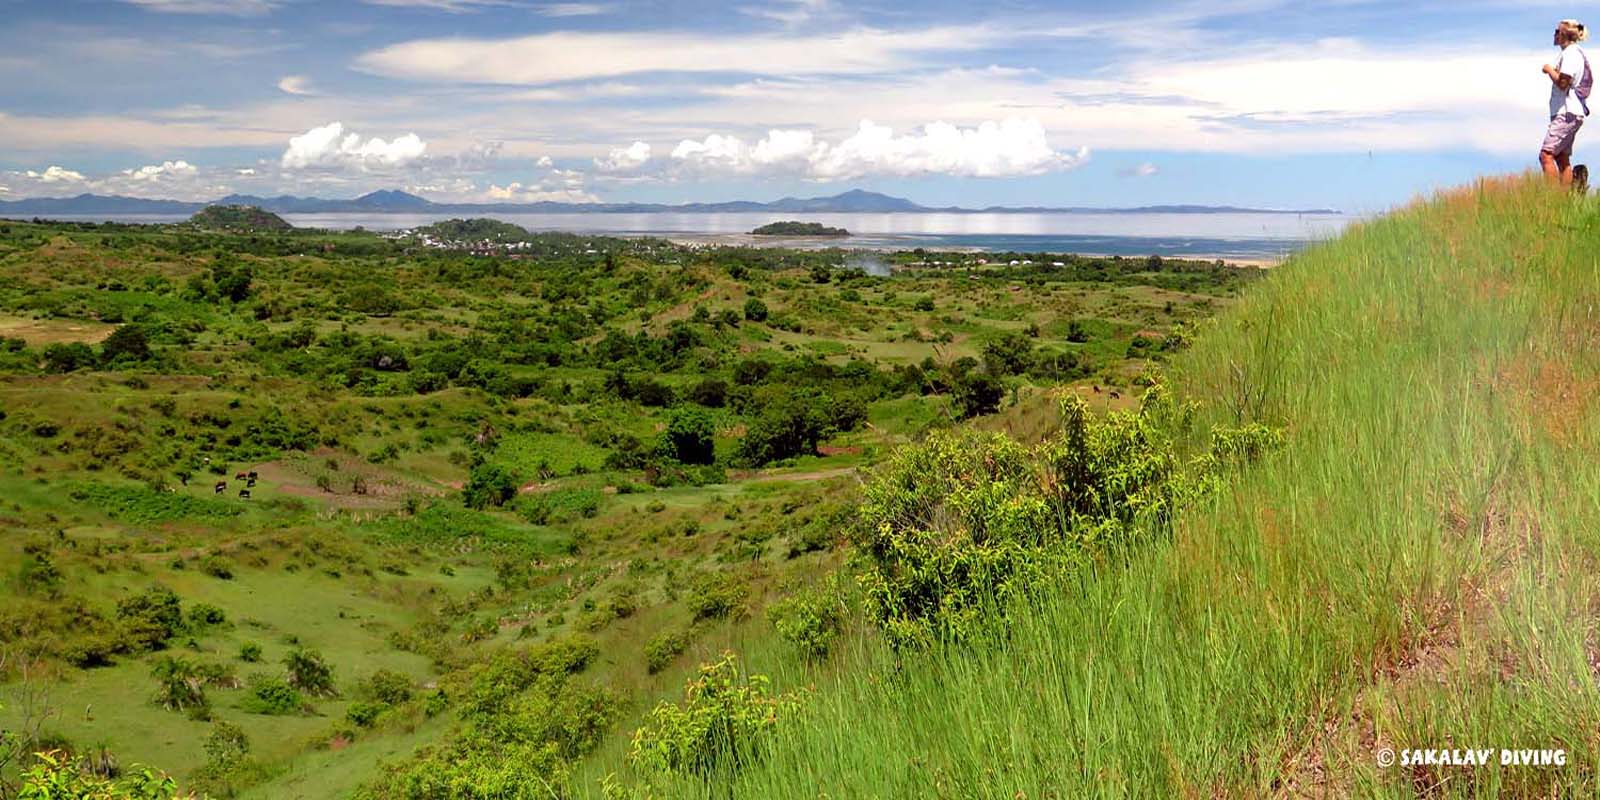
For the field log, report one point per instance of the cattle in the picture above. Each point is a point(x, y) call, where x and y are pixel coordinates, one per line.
point(1116, 395)
point(244, 494)
point(251, 474)
point(1097, 388)
point(217, 489)
point(239, 476)
point(250, 482)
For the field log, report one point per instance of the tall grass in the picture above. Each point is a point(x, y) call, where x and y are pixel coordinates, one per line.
point(1414, 569)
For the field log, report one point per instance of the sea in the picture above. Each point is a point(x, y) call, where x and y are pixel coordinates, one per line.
point(1227, 235)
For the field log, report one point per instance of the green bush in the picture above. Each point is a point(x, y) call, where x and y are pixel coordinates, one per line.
point(309, 673)
point(204, 615)
point(723, 722)
point(273, 697)
point(250, 652)
point(963, 522)
point(217, 567)
point(661, 650)
point(810, 620)
point(489, 485)
point(385, 687)
point(180, 686)
point(717, 595)
point(363, 713)
point(689, 437)
point(148, 619)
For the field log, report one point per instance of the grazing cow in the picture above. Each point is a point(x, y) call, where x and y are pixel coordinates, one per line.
point(251, 475)
point(1097, 388)
point(250, 482)
point(239, 476)
point(219, 487)
point(244, 494)
point(1116, 395)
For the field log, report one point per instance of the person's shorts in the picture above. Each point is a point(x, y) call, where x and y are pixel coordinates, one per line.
point(1563, 131)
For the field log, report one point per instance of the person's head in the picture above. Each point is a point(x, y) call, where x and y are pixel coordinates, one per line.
point(1569, 31)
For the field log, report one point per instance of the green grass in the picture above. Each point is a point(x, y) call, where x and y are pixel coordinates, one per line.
point(1415, 569)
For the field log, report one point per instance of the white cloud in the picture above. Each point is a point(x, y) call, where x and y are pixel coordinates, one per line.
point(569, 55)
point(55, 174)
point(451, 6)
point(1008, 148)
point(788, 12)
point(154, 172)
point(574, 9)
point(238, 8)
point(1144, 170)
point(330, 146)
point(545, 161)
point(296, 85)
point(624, 159)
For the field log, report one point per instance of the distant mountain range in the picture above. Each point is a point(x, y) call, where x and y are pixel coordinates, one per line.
point(396, 202)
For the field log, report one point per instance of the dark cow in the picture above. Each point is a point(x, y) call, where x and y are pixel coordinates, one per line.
point(217, 489)
point(250, 482)
point(1116, 395)
point(239, 476)
point(244, 494)
point(251, 474)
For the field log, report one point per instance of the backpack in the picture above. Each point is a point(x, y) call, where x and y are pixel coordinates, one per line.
point(1585, 85)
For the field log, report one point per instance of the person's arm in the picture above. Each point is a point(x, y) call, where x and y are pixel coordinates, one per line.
point(1557, 77)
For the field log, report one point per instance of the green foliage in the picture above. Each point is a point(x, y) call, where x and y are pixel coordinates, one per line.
point(54, 776)
point(488, 485)
point(689, 437)
point(386, 687)
point(663, 648)
point(724, 722)
point(560, 505)
point(717, 595)
point(810, 620)
point(977, 393)
point(755, 310)
point(957, 526)
point(148, 619)
point(273, 697)
point(796, 228)
point(250, 652)
point(141, 504)
point(309, 673)
point(127, 344)
point(180, 686)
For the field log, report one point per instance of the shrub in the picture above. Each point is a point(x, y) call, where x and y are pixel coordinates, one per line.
point(386, 687)
point(55, 775)
point(127, 343)
point(273, 697)
point(661, 650)
point(724, 721)
point(363, 713)
point(810, 620)
point(966, 521)
point(227, 744)
point(689, 437)
point(309, 673)
point(717, 595)
point(180, 686)
point(489, 485)
point(202, 615)
point(250, 652)
point(755, 310)
point(150, 618)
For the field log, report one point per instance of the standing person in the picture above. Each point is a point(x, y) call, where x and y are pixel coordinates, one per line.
point(1570, 81)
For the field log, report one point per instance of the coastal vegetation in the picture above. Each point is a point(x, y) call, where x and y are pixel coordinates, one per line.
point(794, 228)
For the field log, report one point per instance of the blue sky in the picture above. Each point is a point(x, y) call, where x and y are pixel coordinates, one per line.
point(1345, 104)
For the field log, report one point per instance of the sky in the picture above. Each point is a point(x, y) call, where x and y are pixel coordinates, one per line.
point(1345, 104)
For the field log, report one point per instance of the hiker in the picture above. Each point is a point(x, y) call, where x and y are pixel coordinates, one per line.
point(1570, 82)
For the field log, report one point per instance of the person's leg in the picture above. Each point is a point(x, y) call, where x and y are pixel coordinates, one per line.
point(1564, 163)
point(1547, 162)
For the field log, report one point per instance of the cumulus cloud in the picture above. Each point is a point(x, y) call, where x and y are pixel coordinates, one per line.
point(296, 85)
point(55, 174)
point(1144, 170)
point(330, 146)
point(624, 159)
point(1008, 148)
point(154, 172)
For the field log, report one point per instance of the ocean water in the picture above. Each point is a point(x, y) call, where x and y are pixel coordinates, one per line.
point(1221, 235)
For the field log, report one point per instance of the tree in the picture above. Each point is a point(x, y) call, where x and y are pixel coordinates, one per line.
point(127, 343)
point(689, 437)
point(68, 357)
point(1009, 354)
point(309, 673)
point(232, 280)
point(789, 427)
point(977, 393)
point(489, 485)
point(755, 310)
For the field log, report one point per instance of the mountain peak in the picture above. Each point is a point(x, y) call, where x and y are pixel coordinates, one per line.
point(391, 199)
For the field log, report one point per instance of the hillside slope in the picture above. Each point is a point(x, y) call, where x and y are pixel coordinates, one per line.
point(1415, 568)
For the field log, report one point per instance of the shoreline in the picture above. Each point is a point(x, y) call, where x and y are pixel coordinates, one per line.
point(844, 243)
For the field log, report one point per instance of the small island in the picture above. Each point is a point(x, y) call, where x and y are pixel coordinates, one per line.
point(793, 228)
point(244, 219)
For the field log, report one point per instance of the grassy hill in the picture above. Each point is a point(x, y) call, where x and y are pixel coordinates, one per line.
point(248, 219)
point(1413, 568)
point(507, 501)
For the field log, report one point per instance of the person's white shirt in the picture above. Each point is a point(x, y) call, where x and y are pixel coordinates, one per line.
point(1571, 65)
